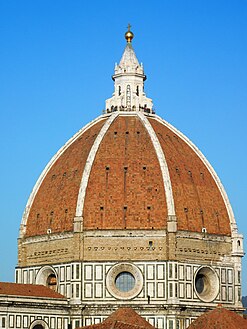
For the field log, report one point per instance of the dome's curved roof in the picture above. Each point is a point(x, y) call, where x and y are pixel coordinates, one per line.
point(128, 170)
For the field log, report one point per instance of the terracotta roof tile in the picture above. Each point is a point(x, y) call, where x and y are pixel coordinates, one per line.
point(125, 188)
point(219, 318)
point(198, 200)
point(123, 318)
point(55, 202)
point(31, 290)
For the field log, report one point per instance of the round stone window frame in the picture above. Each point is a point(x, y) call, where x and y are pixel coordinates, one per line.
point(111, 280)
point(39, 322)
point(211, 284)
point(43, 275)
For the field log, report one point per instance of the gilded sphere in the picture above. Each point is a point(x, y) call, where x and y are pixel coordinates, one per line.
point(129, 36)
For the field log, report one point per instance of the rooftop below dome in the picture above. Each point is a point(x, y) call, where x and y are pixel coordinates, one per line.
point(219, 318)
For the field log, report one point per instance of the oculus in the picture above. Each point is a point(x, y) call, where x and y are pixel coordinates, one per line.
point(124, 281)
point(206, 284)
point(47, 277)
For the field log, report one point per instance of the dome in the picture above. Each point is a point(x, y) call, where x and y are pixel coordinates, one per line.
point(128, 171)
point(129, 212)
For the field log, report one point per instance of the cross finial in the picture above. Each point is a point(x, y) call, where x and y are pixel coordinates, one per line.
point(129, 35)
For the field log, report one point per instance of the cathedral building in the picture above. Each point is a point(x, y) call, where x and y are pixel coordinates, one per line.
point(128, 213)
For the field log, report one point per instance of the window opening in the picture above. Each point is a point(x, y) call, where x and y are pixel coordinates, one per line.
point(51, 282)
point(137, 90)
point(239, 276)
point(125, 281)
point(200, 283)
point(128, 97)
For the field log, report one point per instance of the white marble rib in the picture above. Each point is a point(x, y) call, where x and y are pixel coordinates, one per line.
point(163, 164)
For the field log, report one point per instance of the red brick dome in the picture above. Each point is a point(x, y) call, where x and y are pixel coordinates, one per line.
point(128, 171)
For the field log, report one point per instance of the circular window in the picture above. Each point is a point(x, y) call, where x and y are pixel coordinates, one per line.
point(124, 281)
point(200, 283)
point(47, 277)
point(206, 284)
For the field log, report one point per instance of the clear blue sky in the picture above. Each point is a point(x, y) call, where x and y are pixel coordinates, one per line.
point(56, 62)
